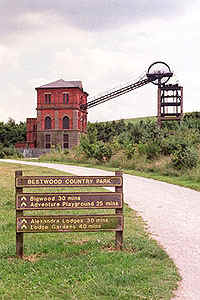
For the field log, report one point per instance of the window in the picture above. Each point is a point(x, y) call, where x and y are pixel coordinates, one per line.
point(65, 141)
point(47, 141)
point(47, 123)
point(66, 123)
point(65, 98)
point(47, 98)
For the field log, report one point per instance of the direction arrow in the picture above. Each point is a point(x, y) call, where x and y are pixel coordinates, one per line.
point(23, 204)
point(24, 221)
point(23, 227)
point(23, 198)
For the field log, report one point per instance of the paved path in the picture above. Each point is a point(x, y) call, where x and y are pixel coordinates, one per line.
point(173, 217)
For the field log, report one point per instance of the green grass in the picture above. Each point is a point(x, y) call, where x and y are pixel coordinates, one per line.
point(188, 179)
point(184, 180)
point(135, 120)
point(79, 265)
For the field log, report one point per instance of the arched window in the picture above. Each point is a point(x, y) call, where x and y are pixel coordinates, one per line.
point(47, 123)
point(66, 123)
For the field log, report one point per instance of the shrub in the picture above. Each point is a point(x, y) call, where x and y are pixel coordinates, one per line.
point(130, 151)
point(181, 139)
point(136, 132)
point(151, 131)
point(115, 145)
point(2, 154)
point(105, 131)
point(192, 115)
point(99, 150)
point(117, 160)
point(124, 138)
point(151, 150)
point(86, 147)
point(185, 158)
point(102, 151)
point(9, 152)
point(11, 132)
point(171, 144)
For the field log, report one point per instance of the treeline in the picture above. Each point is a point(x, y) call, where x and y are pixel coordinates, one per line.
point(12, 132)
point(137, 144)
point(137, 131)
point(125, 143)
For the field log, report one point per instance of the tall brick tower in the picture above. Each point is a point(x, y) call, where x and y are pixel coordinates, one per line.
point(60, 120)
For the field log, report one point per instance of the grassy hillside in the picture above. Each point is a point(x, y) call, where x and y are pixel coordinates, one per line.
point(171, 153)
point(135, 120)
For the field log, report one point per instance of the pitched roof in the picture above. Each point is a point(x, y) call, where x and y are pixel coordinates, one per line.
point(62, 84)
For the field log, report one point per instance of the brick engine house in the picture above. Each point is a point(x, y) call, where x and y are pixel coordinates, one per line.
point(60, 120)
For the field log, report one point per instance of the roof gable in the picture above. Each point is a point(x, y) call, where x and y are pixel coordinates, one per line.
point(62, 84)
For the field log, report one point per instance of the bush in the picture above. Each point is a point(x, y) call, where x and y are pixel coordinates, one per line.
point(99, 150)
point(171, 144)
point(9, 152)
point(11, 132)
point(102, 151)
point(181, 139)
point(2, 154)
point(86, 147)
point(151, 150)
point(192, 115)
point(117, 160)
point(105, 131)
point(185, 159)
point(136, 132)
point(130, 151)
point(151, 131)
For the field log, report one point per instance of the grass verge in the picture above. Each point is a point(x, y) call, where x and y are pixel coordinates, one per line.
point(189, 179)
point(80, 265)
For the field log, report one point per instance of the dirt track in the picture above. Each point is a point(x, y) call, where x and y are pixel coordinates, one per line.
point(173, 217)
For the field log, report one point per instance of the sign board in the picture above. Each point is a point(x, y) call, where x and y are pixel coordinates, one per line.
point(69, 223)
point(71, 201)
point(68, 201)
point(65, 181)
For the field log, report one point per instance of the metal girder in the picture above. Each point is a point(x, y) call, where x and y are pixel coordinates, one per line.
point(158, 73)
point(115, 93)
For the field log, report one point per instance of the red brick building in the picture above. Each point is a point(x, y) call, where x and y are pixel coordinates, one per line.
point(60, 121)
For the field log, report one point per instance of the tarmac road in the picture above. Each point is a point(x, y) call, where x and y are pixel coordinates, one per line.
point(172, 214)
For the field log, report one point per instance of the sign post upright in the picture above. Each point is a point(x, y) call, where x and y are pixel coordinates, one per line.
point(19, 213)
point(119, 211)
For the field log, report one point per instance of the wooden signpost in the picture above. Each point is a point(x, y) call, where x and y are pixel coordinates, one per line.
point(68, 201)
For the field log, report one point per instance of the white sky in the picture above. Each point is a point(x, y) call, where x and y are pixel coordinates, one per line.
point(103, 43)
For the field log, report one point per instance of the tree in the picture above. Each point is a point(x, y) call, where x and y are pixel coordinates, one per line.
point(11, 132)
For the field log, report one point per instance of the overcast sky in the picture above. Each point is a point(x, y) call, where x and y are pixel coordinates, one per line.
point(103, 43)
